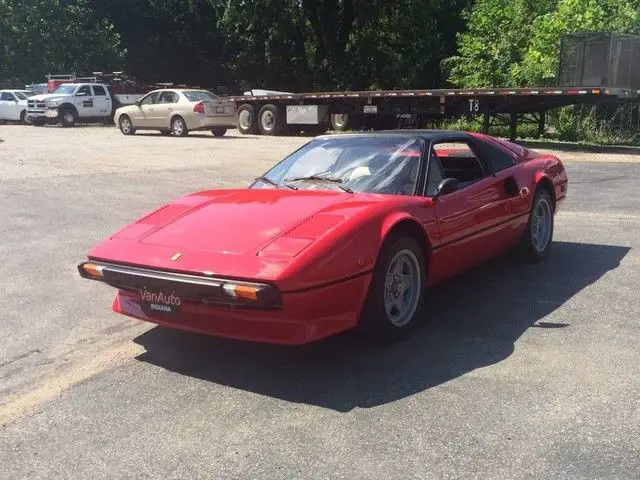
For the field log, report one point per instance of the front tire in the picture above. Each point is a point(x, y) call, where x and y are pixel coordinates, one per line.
point(68, 118)
point(23, 117)
point(126, 126)
point(538, 237)
point(396, 295)
point(38, 122)
point(247, 121)
point(219, 131)
point(179, 127)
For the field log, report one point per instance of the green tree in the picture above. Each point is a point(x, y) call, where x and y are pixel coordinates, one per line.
point(496, 41)
point(540, 62)
point(52, 36)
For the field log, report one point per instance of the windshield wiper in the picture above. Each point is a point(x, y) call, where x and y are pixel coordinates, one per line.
point(322, 179)
point(274, 183)
point(314, 177)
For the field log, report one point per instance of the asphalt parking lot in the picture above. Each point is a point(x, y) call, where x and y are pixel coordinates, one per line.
point(520, 372)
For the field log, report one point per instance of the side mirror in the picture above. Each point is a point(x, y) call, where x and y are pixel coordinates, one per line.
point(446, 186)
point(137, 103)
point(81, 94)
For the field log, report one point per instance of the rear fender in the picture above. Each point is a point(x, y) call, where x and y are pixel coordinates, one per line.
point(556, 189)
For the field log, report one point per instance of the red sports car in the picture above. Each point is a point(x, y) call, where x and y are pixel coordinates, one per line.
point(348, 231)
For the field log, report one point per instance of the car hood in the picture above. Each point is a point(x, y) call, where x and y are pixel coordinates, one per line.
point(48, 96)
point(249, 233)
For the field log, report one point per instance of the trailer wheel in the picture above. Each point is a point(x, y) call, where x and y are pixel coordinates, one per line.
point(247, 121)
point(270, 121)
point(341, 122)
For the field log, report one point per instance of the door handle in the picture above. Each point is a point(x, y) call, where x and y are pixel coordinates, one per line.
point(170, 109)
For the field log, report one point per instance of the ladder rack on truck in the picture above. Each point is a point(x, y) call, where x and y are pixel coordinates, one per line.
point(275, 113)
point(125, 90)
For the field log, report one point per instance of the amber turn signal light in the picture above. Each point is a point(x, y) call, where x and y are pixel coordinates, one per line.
point(91, 270)
point(245, 292)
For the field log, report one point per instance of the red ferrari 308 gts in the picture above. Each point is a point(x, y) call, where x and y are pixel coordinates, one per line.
point(348, 231)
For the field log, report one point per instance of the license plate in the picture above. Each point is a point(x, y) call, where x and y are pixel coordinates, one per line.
point(159, 302)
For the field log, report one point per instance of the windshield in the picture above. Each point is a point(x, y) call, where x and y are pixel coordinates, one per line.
point(360, 163)
point(65, 89)
point(20, 95)
point(200, 96)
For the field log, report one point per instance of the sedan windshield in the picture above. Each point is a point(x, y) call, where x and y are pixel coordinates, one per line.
point(65, 89)
point(358, 163)
point(20, 95)
point(200, 96)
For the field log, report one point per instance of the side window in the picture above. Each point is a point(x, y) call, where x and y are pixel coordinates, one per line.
point(99, 91)
point(84, 90)
point(494, 157)
point(150, 99)
point(168, 97)
point(6, 96)
point(459, 161)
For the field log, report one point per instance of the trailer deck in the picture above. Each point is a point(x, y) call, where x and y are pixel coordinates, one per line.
point(381, 108)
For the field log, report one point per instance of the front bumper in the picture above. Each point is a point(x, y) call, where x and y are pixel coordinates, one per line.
point(267, 315)
point(44, 114)
point(304, 317)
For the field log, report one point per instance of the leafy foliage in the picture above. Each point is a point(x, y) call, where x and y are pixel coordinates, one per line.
point(517, 42)
point(52, 36)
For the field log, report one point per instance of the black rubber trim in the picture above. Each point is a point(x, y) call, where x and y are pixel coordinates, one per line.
point(329, 284)
point(194, 288)
point(478, 232)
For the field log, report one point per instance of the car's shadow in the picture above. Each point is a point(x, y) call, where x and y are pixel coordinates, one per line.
point(204, 136)
point(473, 321)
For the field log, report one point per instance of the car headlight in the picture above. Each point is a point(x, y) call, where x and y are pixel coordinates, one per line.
point(52, 103)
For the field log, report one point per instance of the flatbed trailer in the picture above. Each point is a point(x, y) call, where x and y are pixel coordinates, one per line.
point(279, 112)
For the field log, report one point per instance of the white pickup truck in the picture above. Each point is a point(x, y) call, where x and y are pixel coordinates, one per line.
point(71, 103)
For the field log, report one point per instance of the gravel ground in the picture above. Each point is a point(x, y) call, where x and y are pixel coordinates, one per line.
point(543, 385)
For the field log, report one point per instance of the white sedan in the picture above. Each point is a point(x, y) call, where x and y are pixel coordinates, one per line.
point(177, 112)
point(13, 105)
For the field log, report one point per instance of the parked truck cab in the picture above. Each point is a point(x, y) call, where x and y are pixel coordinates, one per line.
point(70, 103)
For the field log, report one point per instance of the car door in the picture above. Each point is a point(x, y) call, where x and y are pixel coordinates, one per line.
point(164, 108)
point(473, 221)
point(84, 102)
point(143, 113)
point(8, 107)
point(101, 101)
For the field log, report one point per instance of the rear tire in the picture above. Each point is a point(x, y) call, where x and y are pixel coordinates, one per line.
point(247, 121)
point(270, 121)
point(179, 127)
point(23, 117)
point(342, 122)
point(395, 300)
point(126, 126)
point(538, 237)
point(68, 117)
point(219, 132)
